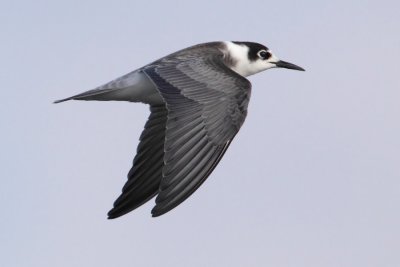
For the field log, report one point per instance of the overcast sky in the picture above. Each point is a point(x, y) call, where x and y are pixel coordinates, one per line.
point(312, 179)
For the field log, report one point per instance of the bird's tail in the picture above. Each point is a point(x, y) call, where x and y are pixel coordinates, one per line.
point(96, 94)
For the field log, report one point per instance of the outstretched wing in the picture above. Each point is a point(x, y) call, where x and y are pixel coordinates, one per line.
point(145, 175)
point(207, 104)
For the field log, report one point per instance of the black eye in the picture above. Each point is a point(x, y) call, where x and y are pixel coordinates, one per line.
point(264, 54)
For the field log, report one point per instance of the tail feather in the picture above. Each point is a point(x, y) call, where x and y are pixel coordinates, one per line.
point(62, 100)
point(88, 95)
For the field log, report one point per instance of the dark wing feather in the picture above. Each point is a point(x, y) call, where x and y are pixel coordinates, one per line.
point(207, 104)
point(145, 175)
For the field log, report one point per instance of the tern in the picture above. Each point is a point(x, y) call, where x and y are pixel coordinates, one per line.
point(198, 100)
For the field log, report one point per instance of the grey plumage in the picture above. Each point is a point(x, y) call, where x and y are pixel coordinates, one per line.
point(146, 173)
point(206, 103)
point(198, 102)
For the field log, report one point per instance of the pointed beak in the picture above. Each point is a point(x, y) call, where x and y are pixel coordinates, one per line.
point(287, 65)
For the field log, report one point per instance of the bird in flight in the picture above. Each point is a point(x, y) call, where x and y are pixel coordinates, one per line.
point(198, 100)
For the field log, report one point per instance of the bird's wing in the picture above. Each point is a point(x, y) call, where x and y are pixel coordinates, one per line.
point(207, 104)
point(146, 173)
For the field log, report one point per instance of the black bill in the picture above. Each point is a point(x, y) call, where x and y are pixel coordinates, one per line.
point(287, 65)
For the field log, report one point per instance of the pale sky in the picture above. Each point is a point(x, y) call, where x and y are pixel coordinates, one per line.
point(312, 179)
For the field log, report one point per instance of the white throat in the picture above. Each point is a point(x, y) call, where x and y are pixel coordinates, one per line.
point(240, 59)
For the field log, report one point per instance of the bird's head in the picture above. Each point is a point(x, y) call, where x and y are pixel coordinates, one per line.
point(247, 58)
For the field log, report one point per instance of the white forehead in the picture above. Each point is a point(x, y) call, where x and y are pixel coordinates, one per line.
point(242, 64)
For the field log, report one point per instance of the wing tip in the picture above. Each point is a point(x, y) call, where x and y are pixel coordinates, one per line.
point(159, 210)
point(155, 214)
point(113, 214)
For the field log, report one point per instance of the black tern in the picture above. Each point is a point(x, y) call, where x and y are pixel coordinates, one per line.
point(198, 100)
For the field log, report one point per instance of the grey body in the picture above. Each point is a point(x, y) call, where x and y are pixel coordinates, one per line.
point(198, 100)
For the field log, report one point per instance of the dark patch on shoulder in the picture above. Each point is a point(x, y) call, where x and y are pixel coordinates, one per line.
point(254, 48)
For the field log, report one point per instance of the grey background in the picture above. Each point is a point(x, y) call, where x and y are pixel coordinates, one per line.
point(312, 179)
